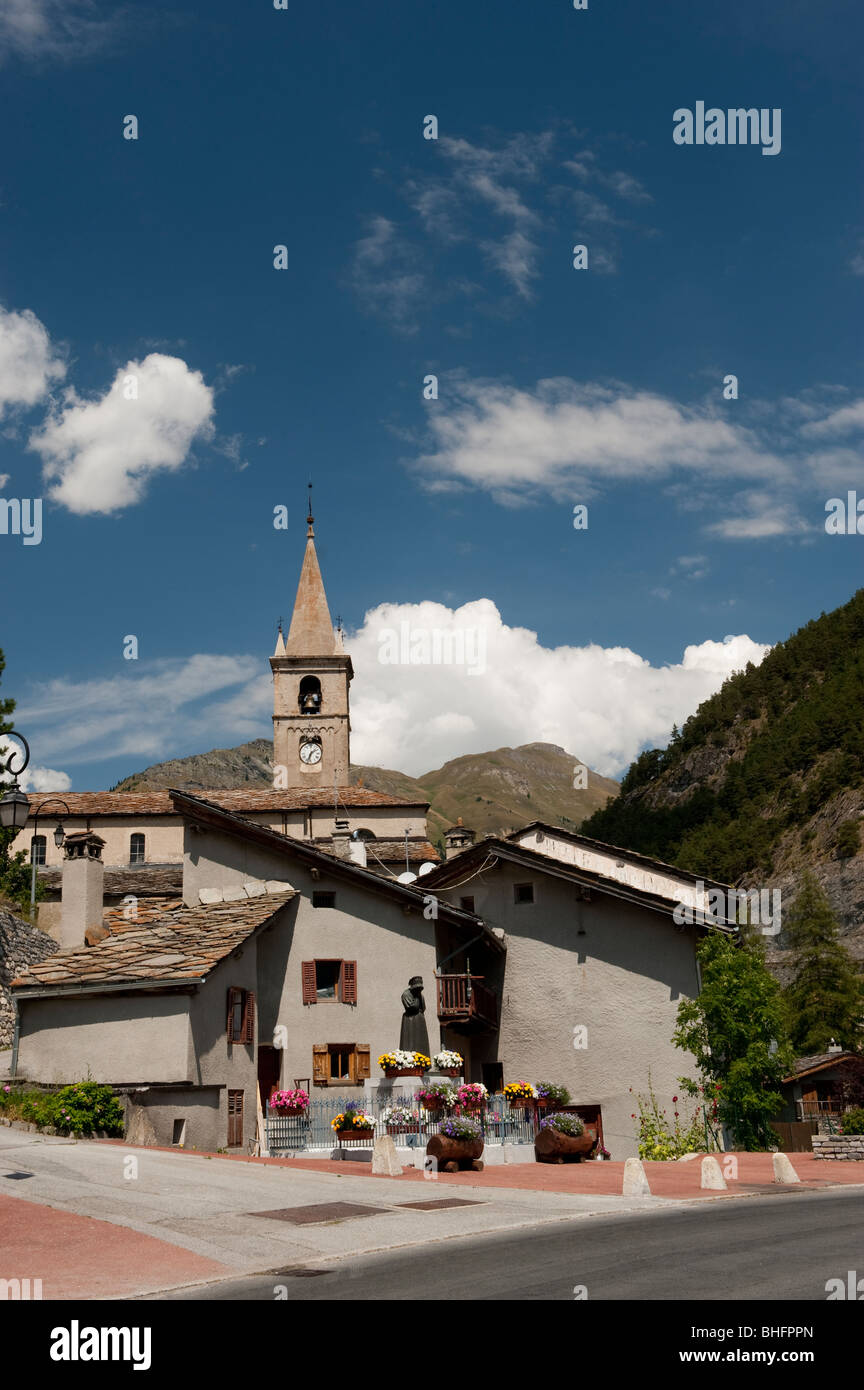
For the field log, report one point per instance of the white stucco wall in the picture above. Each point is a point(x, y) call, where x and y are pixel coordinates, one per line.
point(109, 1037)
point(621, 981)
point(612, 865)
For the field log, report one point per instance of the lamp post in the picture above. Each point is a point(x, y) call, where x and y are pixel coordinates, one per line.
point(59, 837)
point(15, 805)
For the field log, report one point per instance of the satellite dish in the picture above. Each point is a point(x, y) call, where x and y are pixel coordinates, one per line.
point(425, 869)
point(406, 878)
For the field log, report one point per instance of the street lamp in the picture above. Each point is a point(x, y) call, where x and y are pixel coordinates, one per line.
point(15, 805)
point(59, 837)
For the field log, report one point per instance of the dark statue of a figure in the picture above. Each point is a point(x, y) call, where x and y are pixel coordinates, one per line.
point(413, 1036)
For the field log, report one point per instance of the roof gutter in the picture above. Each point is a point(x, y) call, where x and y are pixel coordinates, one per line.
point(23, 992)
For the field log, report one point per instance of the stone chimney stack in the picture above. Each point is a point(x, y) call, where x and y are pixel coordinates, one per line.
point(457, 838)
point(341, 839)
point(357, 852)
point(82, 883)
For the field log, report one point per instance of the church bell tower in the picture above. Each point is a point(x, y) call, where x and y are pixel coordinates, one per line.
point(311, 676)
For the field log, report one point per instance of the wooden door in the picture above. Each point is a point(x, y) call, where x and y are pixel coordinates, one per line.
point(235, 1119)
point(269, 1070)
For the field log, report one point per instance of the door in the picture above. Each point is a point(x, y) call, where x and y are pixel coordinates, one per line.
point(269, 1069)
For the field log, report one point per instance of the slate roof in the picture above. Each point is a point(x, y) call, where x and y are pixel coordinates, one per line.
point(158, 803)
point(181, 945)
point(145, 881)
point(802, 1065)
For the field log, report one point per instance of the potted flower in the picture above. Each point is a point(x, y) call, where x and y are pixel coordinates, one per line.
point(458, 1144)
point(449, 1063)
point(290, 1102)
point(401, 1119)
point(353, 1123)
point(520, 1094)
point(402, 1063)
point(437, 1095)
point(552, 1095)
point(471, 1096)
point(562, 1137)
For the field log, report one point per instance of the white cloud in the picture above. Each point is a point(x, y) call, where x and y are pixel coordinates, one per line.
point(29, 362)
point(601, 704)
point(100, 454)
point(54, 29)
point(567, 438)
point(758, 516)
point(32, 779)
point(385, 276)
point(150, 713)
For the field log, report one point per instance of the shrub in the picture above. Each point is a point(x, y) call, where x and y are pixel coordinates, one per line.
point(853, 1121)
point(84, 1107)
point(565, 1124)
point(847, 841)
point(658, 1138)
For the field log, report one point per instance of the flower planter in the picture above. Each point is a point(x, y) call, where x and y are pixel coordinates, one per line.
point(551, 1146)
point(287, 1110)
point(521, 1102)
point(403, 1129)
point(353, 1135)
point(393, 1072)
point(453, 1154)
point(449, 1071)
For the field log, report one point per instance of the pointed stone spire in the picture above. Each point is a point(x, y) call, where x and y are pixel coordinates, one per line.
point(311, 631)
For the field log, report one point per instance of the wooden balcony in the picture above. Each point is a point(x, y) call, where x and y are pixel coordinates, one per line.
point(466, 1004)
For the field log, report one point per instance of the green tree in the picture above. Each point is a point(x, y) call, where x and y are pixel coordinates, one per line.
point(825, 998)
point(736, 1030)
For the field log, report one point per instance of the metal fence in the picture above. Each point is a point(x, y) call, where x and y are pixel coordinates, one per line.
point(501, 1124)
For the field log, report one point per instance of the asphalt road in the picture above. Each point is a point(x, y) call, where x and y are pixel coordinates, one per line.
point(781, 1247)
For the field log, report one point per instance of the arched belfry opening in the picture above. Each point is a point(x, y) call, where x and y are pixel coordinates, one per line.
point(309, 698)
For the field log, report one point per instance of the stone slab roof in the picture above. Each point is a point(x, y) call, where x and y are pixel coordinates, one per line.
point(181, 945)
point(816, 1062)
point(158, 803)
point(146, 881)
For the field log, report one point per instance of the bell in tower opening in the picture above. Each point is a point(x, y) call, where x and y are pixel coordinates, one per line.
point(310, 695)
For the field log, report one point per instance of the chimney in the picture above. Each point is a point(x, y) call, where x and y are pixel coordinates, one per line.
point(357, 852)
point(457, 838)
point(82, 882)
point(341, 839)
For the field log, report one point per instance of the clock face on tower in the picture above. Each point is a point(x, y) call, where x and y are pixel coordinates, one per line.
point(310, 753)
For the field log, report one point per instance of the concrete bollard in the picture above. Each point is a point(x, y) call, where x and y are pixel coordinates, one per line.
point(712, 1175)
point(783, 1170)
point(635, 1181)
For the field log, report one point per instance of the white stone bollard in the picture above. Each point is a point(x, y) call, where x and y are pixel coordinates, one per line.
point(783, 1170)
point(712, 1175)
point(635, 1181)
point(385, 1160)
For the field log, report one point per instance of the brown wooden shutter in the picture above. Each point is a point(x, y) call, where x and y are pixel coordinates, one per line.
point(320, 1059)
point(310, 994)
point(363, 1061)
point(235, 1118)
point(234, 997)
point(249, 1018)
point(348, 982)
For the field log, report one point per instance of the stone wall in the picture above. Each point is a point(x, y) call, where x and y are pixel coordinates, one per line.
point(20, 945)
point(838, 1146)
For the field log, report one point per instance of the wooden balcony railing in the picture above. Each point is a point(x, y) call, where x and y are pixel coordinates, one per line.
point(465, 999)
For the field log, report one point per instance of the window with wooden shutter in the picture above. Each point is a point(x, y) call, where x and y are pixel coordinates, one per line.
point(234, 1026)
point(235, 1119)
point(348, 982)
point(307, 969)
point(320, 1064)
point(363, 1061)
point(249, 1017)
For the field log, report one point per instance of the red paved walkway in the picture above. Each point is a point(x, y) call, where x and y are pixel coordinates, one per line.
point(80, 1257)
point(744, 1173)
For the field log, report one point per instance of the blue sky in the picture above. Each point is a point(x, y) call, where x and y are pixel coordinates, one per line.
point(261, 127)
